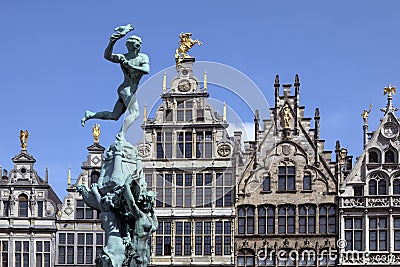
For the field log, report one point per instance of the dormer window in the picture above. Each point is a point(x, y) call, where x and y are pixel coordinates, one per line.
point(389, 156)
point(373, 157)
point(184, 111)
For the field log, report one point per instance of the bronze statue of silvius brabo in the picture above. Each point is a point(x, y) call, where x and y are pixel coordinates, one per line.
point(120, 195)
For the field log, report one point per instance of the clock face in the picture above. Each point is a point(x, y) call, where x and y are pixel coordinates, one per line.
point(184, 85)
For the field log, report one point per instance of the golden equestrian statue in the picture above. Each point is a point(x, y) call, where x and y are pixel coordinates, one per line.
point(23, 137)
point(185, 43)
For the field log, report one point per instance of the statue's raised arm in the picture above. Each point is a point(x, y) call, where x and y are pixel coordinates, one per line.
point(134, 65)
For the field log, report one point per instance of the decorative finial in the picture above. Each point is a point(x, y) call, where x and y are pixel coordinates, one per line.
point(205, 81)
point(96, 133)
point(277, 80)
point(185, 43)
point(145, 113)
point(69, 176)
point(389, 90)
point(224, 114)
point(164, 84)
point(365, 114)
point(286, 116)
point(23, 137)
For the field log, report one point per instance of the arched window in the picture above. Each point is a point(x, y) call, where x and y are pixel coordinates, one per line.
point(327, 219)
point(377, 185)
point(286, 220)
point(22, 206)
point(373, 157)
point(266, 220)
point(246, 220)
point(246, 258)
point(307, 219)
point(389, 156)
point(396, 187)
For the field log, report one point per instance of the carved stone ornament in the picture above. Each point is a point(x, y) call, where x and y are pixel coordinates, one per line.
point(224, 149)
point(389, 130)
point(143, 150)
point(184, 85)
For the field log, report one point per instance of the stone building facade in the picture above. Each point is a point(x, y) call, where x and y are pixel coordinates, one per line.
point(191, 163)
point(27, 215)
point(79, 236)
point(369, 199)
point(286, 195)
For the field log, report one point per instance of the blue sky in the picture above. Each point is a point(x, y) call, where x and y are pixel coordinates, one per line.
point(52, 67)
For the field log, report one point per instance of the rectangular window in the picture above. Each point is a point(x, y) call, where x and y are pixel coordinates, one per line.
point(353, 233)
point(6, 208)
point(307, 182)
point(204, 185)
point(40, 208)
point(378, 233)
point(42, 253)
point(267, 183)
point(83, 211)
point(200, 114)
point(203, 144)
point(163, 239)
point(21, 253)
point(4, 253)
point(164, 145)
point(184, 145)
point(286, 178)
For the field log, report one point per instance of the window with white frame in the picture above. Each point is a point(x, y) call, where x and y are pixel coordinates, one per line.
point(184, 144)
point(66, 242)
point(222, 238)
point(378, 234)
point(204, 185)
point(43, 254)
point(164, 190)
point(203, 144)
point(354, 233)
point(4, 253)
point(224, 190)
point(163, 239)
point(164, 145)
point(203, 238)
point(21, 253)
point(183, 182)
point(183, 238)
point(184, 111)
point(83, 211)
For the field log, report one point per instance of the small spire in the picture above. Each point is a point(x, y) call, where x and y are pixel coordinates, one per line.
point(164, 84)
point(69, 176)
point(47, 174)
point(145, 113)
point(96, 133)
point(205, 81)
point(224, 114)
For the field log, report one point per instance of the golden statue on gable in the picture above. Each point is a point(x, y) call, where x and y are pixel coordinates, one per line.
point(96, 132)
point(23, 137)
point(185, 43)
